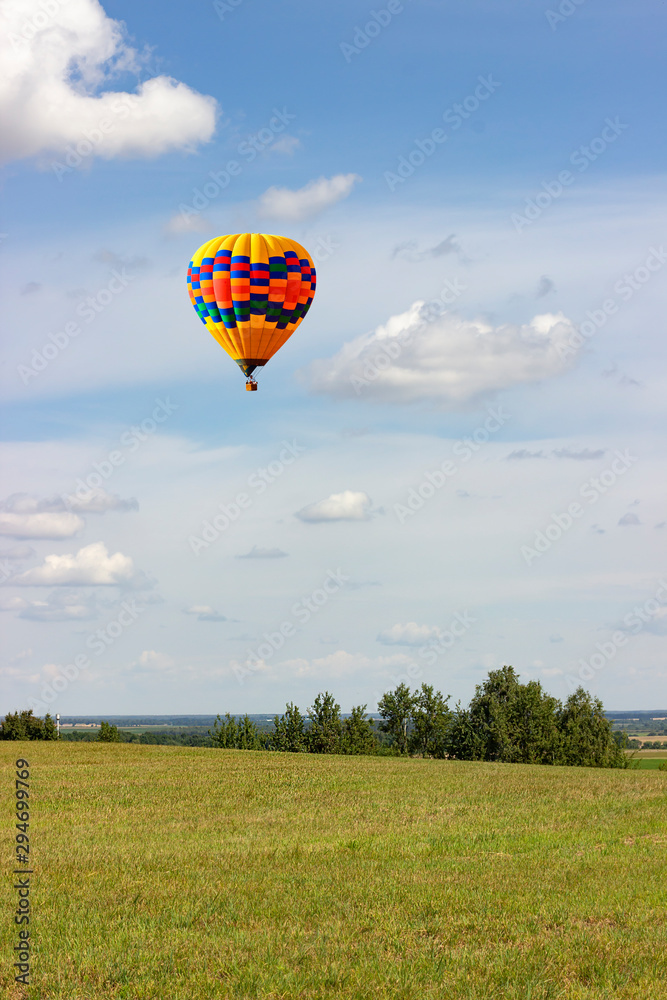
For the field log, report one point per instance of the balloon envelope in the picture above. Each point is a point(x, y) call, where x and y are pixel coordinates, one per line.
point(251, 291)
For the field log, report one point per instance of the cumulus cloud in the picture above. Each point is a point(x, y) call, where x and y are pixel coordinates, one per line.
point(410, 634)
point(346, 506)
point(628, 520)
point(308, 201)
point(447, 360)
point(57, 517)
point(51, 526)
point(151, 661)
point(204, 613)
point(90, 566)
point(256, 552)
point(58, 60)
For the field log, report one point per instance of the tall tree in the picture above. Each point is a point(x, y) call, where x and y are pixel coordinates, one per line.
point(359, 733)
point(587, 736)
point(225, 732)
point(24, 726)
point(510, 722)
point(395, 707)
point(431, 720)
point(247, 734)
point(325, 730)
point(288, 733)
point(108, 733)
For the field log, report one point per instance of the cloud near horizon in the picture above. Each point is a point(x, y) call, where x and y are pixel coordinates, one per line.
point(446, 360)
point(57, 59)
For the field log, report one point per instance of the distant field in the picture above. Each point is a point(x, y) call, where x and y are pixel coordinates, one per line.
point(168, 873)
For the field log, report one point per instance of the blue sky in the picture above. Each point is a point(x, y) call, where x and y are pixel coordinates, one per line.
point(481, 186)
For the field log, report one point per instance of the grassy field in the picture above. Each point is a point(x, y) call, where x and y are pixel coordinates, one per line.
point(187, 874)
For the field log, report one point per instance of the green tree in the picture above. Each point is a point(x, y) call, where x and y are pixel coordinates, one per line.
point(288, 732)
point(108, 733)
point(50, 729)
point(23, 726)
point(395, 707)
point(587, 736)
point(247, 734)
point(224, 733)
point(325, 731)
point(359, 733)
point(431, 720)
point(510, 722)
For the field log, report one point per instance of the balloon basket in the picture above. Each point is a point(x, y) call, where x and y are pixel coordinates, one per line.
point(251, 386)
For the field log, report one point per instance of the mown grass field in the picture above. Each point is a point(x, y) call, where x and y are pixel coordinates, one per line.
point(185, 874)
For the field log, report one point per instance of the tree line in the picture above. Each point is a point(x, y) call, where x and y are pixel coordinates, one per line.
point(506, 721)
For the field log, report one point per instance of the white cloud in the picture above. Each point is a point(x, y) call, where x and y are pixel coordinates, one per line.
point(45, 525)
point(91, 566)
point(256, 552)
point(57, 59)
point(447, 360)
point(152, 661)
point(410, 634)
point(204, 613)
point(56, 517)
point(308, 201)
point(286, 144)
point(346, 506)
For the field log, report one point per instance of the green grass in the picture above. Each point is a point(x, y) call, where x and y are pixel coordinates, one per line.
point(188, 874)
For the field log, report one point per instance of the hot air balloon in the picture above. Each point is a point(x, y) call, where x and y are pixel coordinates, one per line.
point(251, 291)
